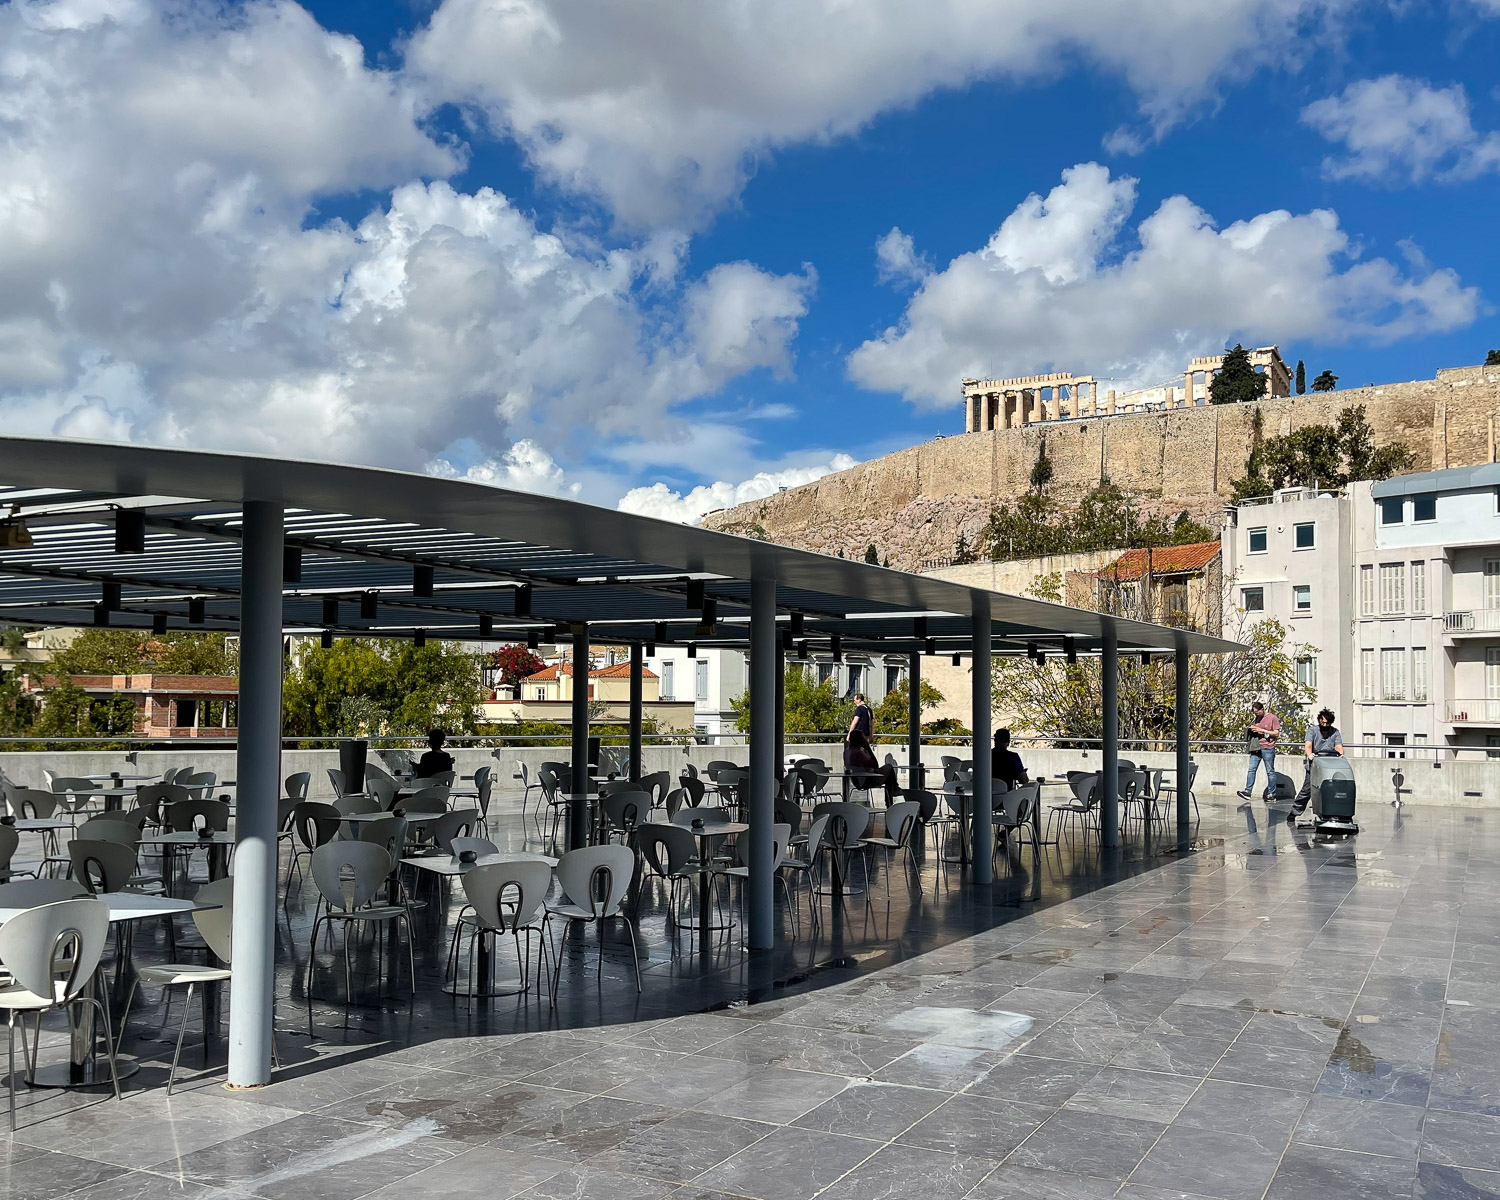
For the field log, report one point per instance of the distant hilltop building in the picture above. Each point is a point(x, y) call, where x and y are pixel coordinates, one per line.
point(991, 404)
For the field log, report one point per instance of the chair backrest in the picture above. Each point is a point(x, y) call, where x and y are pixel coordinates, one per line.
point(216, 924)
point(198, 783)
point(709, 816)
point(116, 827)
point(667, 849)
point(847, 822)
point(1153, 780)
point(28, 893)
point(315, 823)
point(336, 778)
point(79, 791)
point(1125, 764)
point(1085, 788)
point(492, 886)
point(355, 803)
point(719, 764)
point(676, 801)
point(52, 950)
point(153, 795)
point(901, 819)
point(688, 772)
point(613, 786)
point(102, 866)
point(1192, 775)
point(382, 789)
point(695, 789)
point(480, 846)
point(376, 771)
point(297, 784)
point(458, 823)
point(389, 832)
point(816, 833)
point(442, 779)
point(626, 810)
point(32, 804)
point(285, 807)
point(781, 835)
point(1016, 805)
point(483, 781)
point(9, 840)
point(183, 816)
point(428, 800)
point(349, 874)
point(596, 878)
point(1130, 785)
point(523, 774)
point(893, 788)
point(657, 785)
point(789, 812)
point(927, 806)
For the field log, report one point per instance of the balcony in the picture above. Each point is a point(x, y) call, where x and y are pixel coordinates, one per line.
point(1473, 712)
point(1472, 622)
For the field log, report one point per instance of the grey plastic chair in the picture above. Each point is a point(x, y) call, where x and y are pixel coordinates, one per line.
point(845, 832)
point(625, 811)
point(450, 826)
point(102, 866)
point(314, 824)
point(1083, 806)
point(1013, 814)
point(152, 796)
point(198, 783)
point(297, 784)
point(901, 824)
point(353, 802)
point(337, 781)
point(182, 817)
point(382, 789)
point(29, 893)
point(670, 853)
point(528, 785)
point(506, 898)
point(52, 952)
point(1168, 792)
point(780, 835)
point(807, 868)
point(349, 876)
point(215, 925)
point(480, 845)
point(74, 794)
point(594, 882)
point(9, 841)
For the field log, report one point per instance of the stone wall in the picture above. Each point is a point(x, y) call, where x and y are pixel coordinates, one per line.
point(914, 504)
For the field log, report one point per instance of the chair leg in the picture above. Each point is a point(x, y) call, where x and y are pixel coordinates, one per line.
point(187, 1007)
point(635, 954)
point(11, 1052)
point(109, 1048)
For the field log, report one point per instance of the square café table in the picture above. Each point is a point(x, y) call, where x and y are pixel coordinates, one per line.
point(218, 851)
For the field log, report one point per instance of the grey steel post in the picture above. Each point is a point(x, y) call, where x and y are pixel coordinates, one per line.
point(1109, 776)
point(983, 837)
point(760, 904)
point(578, 808)
point(1184, 749)
point(914, 780)
point(258, 780)
point(637, 701)
point(780, 702)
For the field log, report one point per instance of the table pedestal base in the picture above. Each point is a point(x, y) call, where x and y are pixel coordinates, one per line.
point(94, 1073)
point(498, 987)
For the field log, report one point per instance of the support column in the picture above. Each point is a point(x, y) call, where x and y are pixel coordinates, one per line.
point(1023, 418)
point(780, 702)
point(578, 809)
point(1109, 775)
point(760, 908)
point(1187, 389)
point(1184, 751)
point(258, 779)
point(914, 781)
point(982, 838)
point(637, 704)
point(1109, 403)
point(973, 408)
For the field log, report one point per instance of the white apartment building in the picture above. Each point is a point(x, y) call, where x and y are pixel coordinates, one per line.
point(710, 677)
point(1288, 557)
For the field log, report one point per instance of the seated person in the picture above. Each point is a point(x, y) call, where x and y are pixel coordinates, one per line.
point(859, 759)
point(436, 760)
point(1005, 763)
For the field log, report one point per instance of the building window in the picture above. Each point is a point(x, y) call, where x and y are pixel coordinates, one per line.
point(1424, 507)
point(1307, 671)
point(1258, 540)
point(856, 678)
point(1367, 674)
point(1492, 583)
point(669, 680)
point(892, 679)
point(1392, 674)
point(1306, 535)
point(1492, 673)
point(1302, 597)
point(1392, 589)
point(702, 673)
point(825, 672)
point(1492, 742)
point(1253, 599)
point(1419, 587)
point(1390, 511)
point(1395, 745)
point(1367, 591)
point(1419, 672)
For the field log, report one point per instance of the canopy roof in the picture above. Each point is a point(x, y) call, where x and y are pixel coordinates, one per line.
point(457, 560)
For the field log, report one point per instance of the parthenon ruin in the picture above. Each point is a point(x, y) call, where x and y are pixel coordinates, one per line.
point(1033, 399)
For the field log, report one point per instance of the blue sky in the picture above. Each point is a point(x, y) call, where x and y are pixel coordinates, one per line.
point(673, 276)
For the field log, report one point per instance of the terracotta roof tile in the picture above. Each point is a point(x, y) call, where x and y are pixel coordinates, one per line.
point(1161, 560)
point(558, 670)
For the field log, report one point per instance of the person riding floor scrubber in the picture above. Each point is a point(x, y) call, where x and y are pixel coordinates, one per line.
point(1329, 784)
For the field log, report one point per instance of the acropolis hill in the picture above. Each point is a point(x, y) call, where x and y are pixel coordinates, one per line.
point(913, 504)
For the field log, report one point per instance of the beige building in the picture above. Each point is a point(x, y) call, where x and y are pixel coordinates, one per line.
point(548, 696)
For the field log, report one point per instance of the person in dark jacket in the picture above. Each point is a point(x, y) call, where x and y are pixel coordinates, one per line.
point(1005, 763)
point(436, 760)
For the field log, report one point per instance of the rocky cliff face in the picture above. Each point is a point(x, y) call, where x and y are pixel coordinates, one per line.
point(914, 504)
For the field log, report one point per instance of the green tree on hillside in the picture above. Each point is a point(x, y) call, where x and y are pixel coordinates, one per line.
point(1320, 455)
point(1326, 382)
point(1041, 470)
point(1301, 377)
point(810, 707)
point(1237, 381)
point(1492, 359)
point(1105, 519)
point(872, 556)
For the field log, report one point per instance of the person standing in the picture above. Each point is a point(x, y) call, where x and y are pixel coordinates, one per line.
point(1265, 728)
point(1323, 741)
point(862, 726)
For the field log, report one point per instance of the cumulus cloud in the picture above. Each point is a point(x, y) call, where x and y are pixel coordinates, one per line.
point(661, 108)
point(525, 467)
point(1395, 128)
point(659, 500)
point(1052, 290)
point(168, 278)
point(897, 260)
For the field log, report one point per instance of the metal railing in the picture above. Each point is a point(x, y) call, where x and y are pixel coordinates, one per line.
point(1484, 712)
point(1472, 620)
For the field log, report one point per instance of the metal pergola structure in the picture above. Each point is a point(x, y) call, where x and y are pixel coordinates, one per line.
point(95, 534)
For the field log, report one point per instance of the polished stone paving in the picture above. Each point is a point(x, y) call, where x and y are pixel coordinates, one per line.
point(1270, 1015)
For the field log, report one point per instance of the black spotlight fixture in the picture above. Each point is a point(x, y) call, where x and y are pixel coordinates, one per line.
point(330, 610)
point(195, 611)
point(659, 632)
point(1032, 652)
point(421, 580)
point(931, 647)
point(692, 649)
point(291, 564)
point(1145, 658)
point(695, 594)
point(327, 639)
point(486, 626)
point(786, 641)
point(836, 647)
point(802, 651)
point(1070, 648)
point(158, 623)
point(130, 531)
point(919, 628)
point(109, 596)
point(101, 615)
point(650, 649)
point(957, 661)
point(419, 638)
point(797, 620)
point(533, 640)
point(368, 605)
point(521, 600)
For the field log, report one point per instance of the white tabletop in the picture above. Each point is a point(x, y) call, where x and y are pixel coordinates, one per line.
point(133, 906)
point(42, 825)
point(189, 838)
point(119, 776)
point(411, 818)
point(707, 830)
point(443, 864)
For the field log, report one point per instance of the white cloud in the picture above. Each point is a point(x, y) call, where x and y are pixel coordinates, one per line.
point(525, 467)
point(661, 108)
point(1052, 290)
point(897, 261)
point(659, 500)
point(168, 279)
point(1398, 128)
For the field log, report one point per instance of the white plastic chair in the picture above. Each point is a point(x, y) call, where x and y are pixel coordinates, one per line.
point(506, 898)
point(349, 876)
point(594, 881)
point(52, 952)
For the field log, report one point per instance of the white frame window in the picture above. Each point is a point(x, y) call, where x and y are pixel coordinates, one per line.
point(701, 679)
point(1302, 597)
point(1259, 532)
point(669, 680)
point(1307, 671)
point(1419, 674)
point(1367, 680)
point(1392, 673)
point(1492, 673)
point(1424, 501)
point(1310, 530)
point(1392, 589)
point(1492, 583)
point(1256, 594)
point(1367, 590)
point(1418, 586)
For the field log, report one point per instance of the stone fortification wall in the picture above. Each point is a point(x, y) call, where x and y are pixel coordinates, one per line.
point(914, 504)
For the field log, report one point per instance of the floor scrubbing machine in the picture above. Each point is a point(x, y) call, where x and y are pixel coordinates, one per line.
point(1333, 794)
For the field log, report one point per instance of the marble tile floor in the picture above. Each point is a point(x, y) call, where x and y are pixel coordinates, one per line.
point(1271, 1016)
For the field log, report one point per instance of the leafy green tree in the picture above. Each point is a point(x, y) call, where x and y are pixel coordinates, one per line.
point(1237, 381)
point(1301, 377)
point(872, 556)
point(1106, 518)
point(66, 710)
point(1326, 382)
point(890, 714)
point(417, 687)
point(1492, 359)
point(811, 707)
point(1041, 470)
point(1322, 455)
point(139, 651)
point(962, 552)
point(17, 706)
